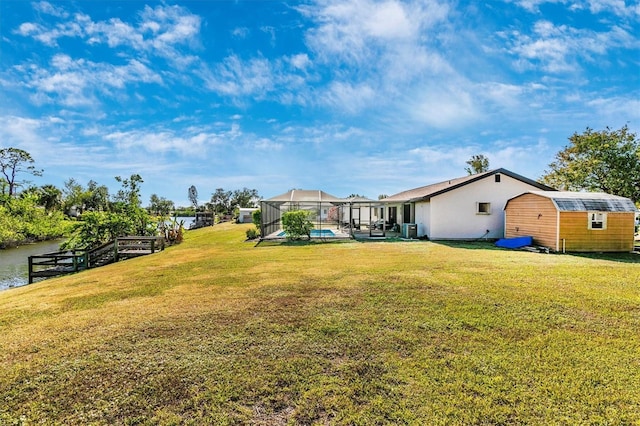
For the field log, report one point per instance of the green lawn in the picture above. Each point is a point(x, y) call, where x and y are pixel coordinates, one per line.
point(219, 331)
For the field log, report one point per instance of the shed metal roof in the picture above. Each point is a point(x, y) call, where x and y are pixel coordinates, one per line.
point(588, 201)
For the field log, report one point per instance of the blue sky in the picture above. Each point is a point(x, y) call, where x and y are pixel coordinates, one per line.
point(347, 96)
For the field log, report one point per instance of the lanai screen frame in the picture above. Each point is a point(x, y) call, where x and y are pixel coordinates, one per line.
point(309, 200)
point(373, 206)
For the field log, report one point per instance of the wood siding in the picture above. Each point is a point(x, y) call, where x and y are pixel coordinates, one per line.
point(532, 215)
point(618, 236)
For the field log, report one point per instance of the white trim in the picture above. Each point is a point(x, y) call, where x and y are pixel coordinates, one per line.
point(597, 217)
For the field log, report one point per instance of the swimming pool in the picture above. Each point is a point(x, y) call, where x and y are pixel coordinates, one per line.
point(315, 233)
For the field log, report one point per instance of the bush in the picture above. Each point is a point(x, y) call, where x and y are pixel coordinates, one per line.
point(296, 223)
point(256, 218)
point(252, 234)
point(96, 228)
point(21, 219)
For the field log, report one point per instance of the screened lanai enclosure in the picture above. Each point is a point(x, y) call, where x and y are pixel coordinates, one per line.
point(323, 211)
point(332, 217)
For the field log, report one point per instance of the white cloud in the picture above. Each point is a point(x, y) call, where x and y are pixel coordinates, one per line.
point(265, 144)
point(352, 98)
point(187, 142)
point(258, 78)
point(48, 8)
point(353, 31)
point(236, 78)
point(300, 61)
point(616, 7)
point(560, 48)
point(76, 83)
point(159, 30)
point(241, 32)
point(444, 107)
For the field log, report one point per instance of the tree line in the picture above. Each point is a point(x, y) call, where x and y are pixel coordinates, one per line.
point(88, 214)
point(225, 202)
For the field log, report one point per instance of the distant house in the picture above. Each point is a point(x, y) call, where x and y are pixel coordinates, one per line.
point(572, 221)
point(245, 214)
point(469, 207)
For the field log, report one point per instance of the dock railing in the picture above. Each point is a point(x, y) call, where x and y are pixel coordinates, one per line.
point(58, 263)
point(66, 262)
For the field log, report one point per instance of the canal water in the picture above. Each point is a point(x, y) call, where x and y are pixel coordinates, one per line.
point(14, 263)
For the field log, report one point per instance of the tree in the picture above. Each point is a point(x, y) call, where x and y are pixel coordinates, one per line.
point(244, 197)
point(477, 164)
point(130, 191)
point(221, 201)
point(12, 162)
point(603, 161)
point(96, 197)
point(50, 197)
point(193, 196)
point(77, 198)
point(160, 206)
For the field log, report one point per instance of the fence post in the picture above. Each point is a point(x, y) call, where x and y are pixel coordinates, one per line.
point(115, 250)
point(153, 245)
point(30, 270)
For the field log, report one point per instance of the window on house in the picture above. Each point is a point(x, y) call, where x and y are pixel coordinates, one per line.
point(497, 176)
point(597, 220)
point(483, 208)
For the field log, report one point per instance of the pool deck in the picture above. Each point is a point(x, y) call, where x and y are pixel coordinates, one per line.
point(341, 234)
point(338, 234)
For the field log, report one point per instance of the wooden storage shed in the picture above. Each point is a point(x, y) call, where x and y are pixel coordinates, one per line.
point(572, 221)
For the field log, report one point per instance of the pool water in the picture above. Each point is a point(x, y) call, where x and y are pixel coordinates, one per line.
point(315, 233)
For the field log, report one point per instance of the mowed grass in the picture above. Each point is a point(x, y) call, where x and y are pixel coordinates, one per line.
point(219, 331)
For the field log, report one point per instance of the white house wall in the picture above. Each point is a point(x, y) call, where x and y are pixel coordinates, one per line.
point(453, 214)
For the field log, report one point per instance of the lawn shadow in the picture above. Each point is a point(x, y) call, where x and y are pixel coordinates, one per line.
point(299, 243)
point(469, 245)
point(624, 257)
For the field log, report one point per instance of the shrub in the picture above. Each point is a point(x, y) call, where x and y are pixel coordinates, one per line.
point(252, 234)
point(296, 223)
point(256, 218)
point(21, 219)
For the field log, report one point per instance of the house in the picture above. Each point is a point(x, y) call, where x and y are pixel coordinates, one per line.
point(572, 221)
point(245, 214)
point(465, 208)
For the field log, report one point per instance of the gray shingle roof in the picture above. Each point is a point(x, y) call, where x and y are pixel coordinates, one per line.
point(423, 193)
point(302, 195)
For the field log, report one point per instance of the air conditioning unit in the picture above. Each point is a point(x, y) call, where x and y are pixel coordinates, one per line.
point(409, 230)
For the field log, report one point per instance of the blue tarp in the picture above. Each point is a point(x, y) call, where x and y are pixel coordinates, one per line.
point(516, 242)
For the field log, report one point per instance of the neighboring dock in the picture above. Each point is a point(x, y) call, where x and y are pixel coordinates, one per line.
point(66, 262)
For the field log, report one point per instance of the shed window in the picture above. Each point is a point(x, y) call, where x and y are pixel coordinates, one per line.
point(597, 220)
point(483, 208)
point(497, 177)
